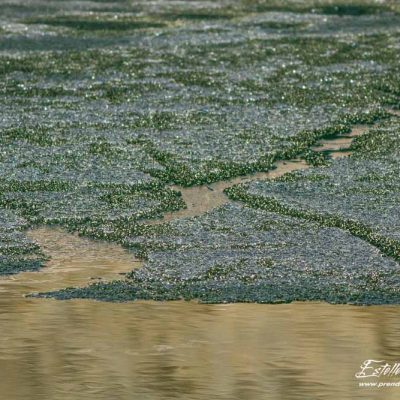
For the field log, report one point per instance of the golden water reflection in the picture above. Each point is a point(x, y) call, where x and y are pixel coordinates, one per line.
point(90, 350)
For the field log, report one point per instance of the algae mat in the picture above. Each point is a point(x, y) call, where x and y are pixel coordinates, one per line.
point(109, 107)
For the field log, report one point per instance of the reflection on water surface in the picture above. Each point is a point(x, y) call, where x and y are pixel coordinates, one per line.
point(84, 349)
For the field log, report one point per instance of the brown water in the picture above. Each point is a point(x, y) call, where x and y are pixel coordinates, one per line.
point(179, 350)
point(75, 261)
point(89, 350)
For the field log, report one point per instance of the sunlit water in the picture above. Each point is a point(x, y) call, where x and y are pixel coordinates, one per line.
point(89, 350)
point(84, 349)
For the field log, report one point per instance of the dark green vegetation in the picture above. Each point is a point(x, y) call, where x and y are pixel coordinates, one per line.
point(98, 23)
point(236, 254)
point(17, 252)
point(329, 233)
point(359, 194)
point(106, 103)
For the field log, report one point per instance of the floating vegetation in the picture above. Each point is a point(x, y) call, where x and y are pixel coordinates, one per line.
point(96, 22)
point(239, 254)
point(316, 158)
point(106, 104)
point(360, 194)
point(17, 252)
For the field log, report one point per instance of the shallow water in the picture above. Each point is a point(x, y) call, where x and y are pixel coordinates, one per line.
point(145, 350)
point(74, 261)
point(179, 350)
point(83, 349)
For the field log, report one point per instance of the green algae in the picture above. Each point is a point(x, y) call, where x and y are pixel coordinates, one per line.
point(115, 103)
point(238, 254)
point(339, 7)
point(352, 188)
point(387, 246)
point(96, 23)
point(316, 158)
point(17, 252)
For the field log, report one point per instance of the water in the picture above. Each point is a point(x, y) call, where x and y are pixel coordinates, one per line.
point(83, 349)
point(179, 350)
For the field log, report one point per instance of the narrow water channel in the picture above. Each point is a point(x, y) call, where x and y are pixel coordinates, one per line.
point(180, 350)
point(200, 199)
